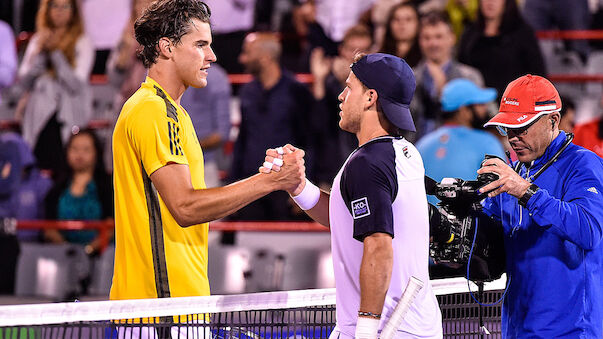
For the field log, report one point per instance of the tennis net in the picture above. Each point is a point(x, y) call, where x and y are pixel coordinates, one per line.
point(283, 314)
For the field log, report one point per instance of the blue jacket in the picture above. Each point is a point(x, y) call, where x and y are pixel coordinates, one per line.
point(553, 248)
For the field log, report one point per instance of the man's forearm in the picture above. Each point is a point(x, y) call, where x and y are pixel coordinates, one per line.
point(210, 204)
point(320, 212)
point(375, 272)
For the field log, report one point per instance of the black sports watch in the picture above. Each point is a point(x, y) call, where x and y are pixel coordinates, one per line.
point(523, 201)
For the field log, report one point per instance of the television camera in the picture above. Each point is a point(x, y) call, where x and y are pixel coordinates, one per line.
point(453, 223)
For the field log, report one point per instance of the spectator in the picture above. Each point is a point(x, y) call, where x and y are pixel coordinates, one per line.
point(332, 18)
point(10, 178)
point(462, 13)
point(84, 193)
point(457, 149)
point(231, 21)
point(334, 144)
point(501, 45)
point(33, 187)
point(209, 109)
point(104, 20)
point(379, 14)
point(275, 110)
point(401, 33)
point(590, 135)
point(125, 73)
point(568, 114)
point(124, 70)
point(53, 81)
point(560, 14)
point(8, 57)
point(437, 40)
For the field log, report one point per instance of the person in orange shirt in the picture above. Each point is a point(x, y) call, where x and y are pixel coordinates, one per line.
point(590, 135)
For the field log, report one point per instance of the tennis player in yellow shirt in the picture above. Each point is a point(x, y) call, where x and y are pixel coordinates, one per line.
point(162, 207)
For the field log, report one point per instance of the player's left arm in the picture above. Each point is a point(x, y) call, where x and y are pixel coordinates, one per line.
point(375, 271)
point(368, 188)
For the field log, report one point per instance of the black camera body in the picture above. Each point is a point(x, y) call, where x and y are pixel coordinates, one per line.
point(452, 227)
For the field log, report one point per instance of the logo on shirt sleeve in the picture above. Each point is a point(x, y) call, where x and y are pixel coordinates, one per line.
point(360, 208)
point(593, 190)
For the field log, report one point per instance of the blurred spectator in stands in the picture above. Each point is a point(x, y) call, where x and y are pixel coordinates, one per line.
point(104, 20)
point(501, 45)
point(437, 40)
point(84, 193)
point(209, 109)
point(462, 13)
point(33, 187)
point(124, 70)
point(125, 73)
point(596, 22)
point(53, 81)
point(8, 57)
point(293, 25)
point(568, 115)
point(275, 110)
point(330, 19)
point(379, 15)
point(560, 14)
point(10, 178)
point(457, 149)
point(334, 144)
point(590, 135)
point(401, 34)
point(231, 20)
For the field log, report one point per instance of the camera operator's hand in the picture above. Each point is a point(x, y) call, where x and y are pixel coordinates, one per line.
point(508, 181)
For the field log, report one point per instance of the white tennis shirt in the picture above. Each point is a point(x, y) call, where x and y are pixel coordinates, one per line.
point(380, 188)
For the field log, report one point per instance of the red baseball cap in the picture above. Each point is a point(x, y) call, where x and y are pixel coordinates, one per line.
point(524, 100)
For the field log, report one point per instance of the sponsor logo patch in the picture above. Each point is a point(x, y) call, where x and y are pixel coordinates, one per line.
point(511, 101)
point(593, 190)
point(521, 118)
point(360, 208)
point(405, 151)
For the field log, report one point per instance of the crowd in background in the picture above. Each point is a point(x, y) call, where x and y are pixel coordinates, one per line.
point(53, 166)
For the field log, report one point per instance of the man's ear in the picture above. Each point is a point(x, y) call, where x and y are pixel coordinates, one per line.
point(372, 98)
point(165, 47)
point(555, 119)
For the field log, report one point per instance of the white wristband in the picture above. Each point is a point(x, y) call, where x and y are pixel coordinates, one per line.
point(309, 196)
point(367, 328)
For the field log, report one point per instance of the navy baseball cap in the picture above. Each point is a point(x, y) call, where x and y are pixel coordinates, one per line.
point(394, 82)
point(463, 92)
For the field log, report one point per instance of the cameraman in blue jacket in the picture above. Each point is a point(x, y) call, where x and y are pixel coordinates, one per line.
point(550, 205)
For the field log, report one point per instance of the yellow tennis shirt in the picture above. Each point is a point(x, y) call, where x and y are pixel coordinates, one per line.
point(154, 256)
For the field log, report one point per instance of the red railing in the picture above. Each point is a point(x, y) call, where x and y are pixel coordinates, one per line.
point(105, 227)
point(570, 35)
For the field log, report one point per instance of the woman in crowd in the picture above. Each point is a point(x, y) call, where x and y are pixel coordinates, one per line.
point(125, 73)
point(53, 81)
point(501, 45)
point(401, 34)
point(84, 193)
point(124, 70)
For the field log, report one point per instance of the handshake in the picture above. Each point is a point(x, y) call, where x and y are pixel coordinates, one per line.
point(286, 166)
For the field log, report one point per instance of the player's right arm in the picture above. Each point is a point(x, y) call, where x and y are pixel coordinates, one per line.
point(157, 136)
point(189, 206)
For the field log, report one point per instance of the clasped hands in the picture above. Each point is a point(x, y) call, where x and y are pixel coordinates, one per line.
point(287, 166)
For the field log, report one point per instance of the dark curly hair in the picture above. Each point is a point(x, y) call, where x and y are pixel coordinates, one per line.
point(166, 19)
